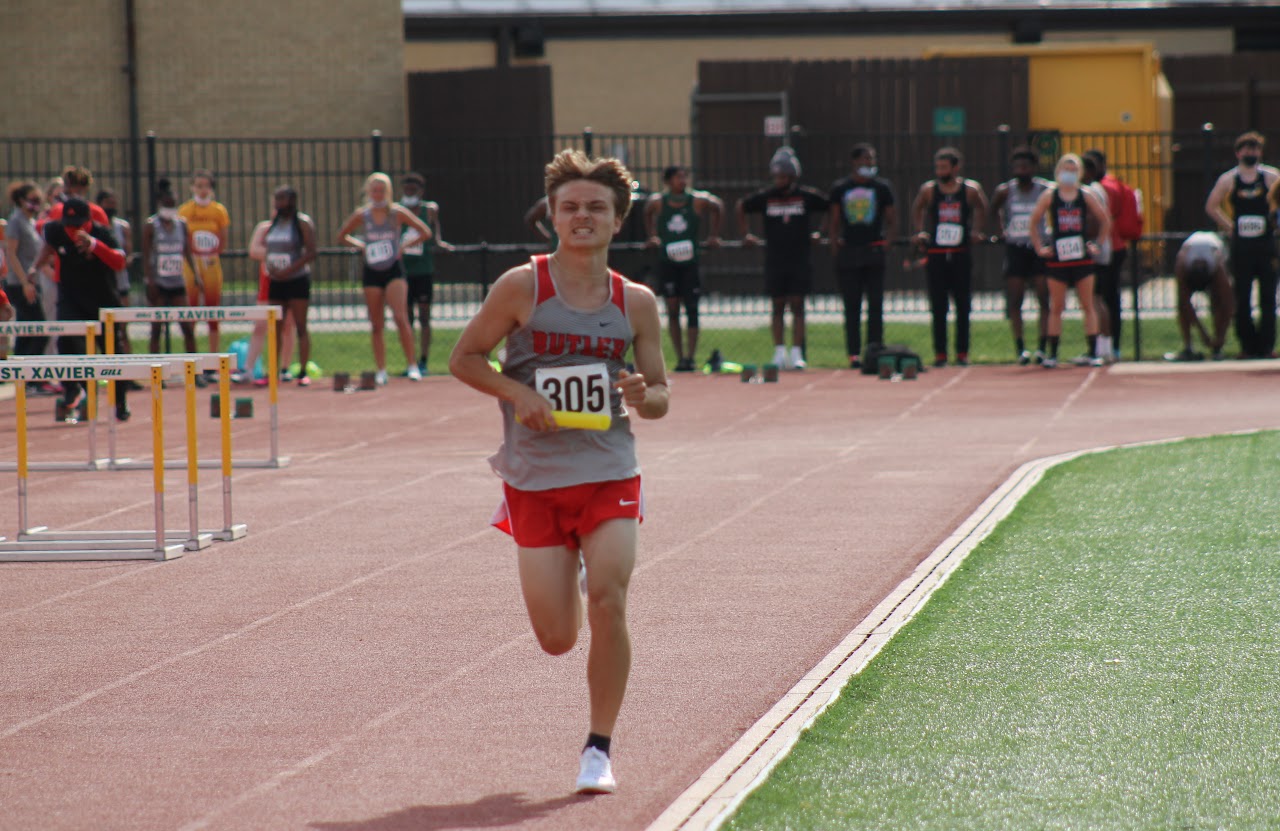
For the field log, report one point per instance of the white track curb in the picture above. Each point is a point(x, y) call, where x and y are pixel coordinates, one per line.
point(711, 800)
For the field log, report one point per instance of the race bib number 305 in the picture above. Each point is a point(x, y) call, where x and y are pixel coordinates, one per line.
point(680, 251)
point(949, 234)
point(1070, 248)
point(1251, 227)
point(575, 389)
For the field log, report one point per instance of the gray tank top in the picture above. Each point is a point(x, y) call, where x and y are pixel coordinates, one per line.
point(166, 252)
point(381, 240)
point(1017, 211)
point(573, 357)
point(284, 246)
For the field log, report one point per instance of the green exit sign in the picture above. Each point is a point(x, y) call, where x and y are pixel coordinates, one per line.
point(948, 121)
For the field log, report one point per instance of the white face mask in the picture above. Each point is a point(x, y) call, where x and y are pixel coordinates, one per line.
point(868, 172)
point(1068, 178)
point(203, 201)
point(167, 214)
point(411, 201)
point(378, 203)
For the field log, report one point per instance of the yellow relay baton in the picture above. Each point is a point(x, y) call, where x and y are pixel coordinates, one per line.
point(581, 421)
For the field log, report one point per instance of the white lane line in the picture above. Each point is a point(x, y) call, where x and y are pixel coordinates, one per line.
point(1060, 412)
point(713, 798)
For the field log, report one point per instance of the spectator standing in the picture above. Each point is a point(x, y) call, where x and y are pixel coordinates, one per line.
point(864, 219)
point(420, 260)
point(166, 250)
point(208, 223)
point(22, 245)
point(1012, 204)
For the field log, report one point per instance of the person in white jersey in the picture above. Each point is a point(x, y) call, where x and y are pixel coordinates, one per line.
point(1201, 265)
point(166, 247)
point(573, 495)
point(382, 245)
point(1012, 203)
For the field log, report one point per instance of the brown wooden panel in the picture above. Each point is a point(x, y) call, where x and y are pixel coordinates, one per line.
point(481, 138)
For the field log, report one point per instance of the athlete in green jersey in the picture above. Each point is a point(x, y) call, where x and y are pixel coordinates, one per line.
point(673, 220)
point(420, 260)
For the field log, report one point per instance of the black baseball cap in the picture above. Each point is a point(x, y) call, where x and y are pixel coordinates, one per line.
point(75, 212)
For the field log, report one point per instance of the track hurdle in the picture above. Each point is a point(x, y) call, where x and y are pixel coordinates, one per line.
point(187, 365)
point(57, 550)
point(41, 328)
point(217, 314)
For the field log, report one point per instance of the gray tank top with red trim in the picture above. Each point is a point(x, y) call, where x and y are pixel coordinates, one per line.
point(558, 335)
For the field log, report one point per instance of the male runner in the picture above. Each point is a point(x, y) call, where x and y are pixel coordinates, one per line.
point(569, 321)
point(1201, 265)
point(788, 276)
point(946, 212)
point(862, 222)
point(1012, 204)
point(1251, 227)
point(420, 259)
point(673, 219)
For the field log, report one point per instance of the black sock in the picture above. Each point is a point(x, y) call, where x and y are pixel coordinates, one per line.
point(1053, 346)
point(1093, 346)
point(1043, 340)
point(599, 742)
point(1020, 344)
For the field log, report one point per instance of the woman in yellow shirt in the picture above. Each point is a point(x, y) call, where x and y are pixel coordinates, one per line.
point(207, 222)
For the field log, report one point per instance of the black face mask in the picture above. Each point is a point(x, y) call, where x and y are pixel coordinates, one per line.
point(947, 179)
point(111, 214)
point(1024, 179)
point(1250, 160)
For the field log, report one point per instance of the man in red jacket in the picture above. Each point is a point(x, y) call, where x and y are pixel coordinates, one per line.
point(1108, 285)
point(90, 256)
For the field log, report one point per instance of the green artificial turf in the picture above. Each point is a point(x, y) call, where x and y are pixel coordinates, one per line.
point(1106, 659)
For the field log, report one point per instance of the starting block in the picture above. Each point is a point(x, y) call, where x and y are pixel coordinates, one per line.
point(368, 381)
point(243, 407)
point(342, 382)
point(769, 372)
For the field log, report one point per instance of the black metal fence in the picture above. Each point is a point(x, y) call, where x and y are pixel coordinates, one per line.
point(481, 210)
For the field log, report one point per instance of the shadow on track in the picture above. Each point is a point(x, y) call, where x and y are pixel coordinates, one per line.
point(488, 812)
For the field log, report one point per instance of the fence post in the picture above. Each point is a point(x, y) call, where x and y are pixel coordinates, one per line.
point(1135, 279)
point(1002, 147)
point(587, 137)
point(151, 175)
point(1206, 136)
point(484, 269)
point(375, 145)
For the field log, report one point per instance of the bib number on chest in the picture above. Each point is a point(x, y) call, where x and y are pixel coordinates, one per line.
point(1019, 226)
point(204, 242)
point(1070, 248)
point(279, 262)
point(949, 234)
point(379, 251)
point(415, 250)
point(169, 265)
point(1251, 227)
point(680, 251)
point(575, 389)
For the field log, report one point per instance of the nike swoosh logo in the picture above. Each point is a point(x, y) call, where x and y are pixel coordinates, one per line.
point(624, 503)
point(604, 323)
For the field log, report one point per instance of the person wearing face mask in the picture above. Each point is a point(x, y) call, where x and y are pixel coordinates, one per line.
point(420, 261)
point(863, 218)
point(166, 249)
point(90, 256)
point(786, 209)
point(22, 244)
point(207, 223)
point(1076, 220)
point(286, 245)
point(1012, 204)
point(1238, 205)
point(382, 244)
point(947, 212)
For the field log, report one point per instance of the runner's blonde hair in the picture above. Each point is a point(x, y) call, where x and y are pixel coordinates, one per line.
point(573, 165)
point(1070, 158)
point(385, 180)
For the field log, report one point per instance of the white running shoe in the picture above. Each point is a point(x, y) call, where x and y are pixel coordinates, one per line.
point(1098, 361)
point(595, 774)
point(414, 373)
point(1049, 362)
point(797, 358)
point(780, 357)
point(381, 377)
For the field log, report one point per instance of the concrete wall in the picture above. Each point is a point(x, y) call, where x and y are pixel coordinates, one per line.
point(642, 85)
point(211, 70)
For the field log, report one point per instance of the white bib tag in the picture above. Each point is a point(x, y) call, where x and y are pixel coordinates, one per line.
point(204, 242)
point(680, 251)
point(279, 262)
point(169, 265)
point(1019, 226)
point(1251, 227)
point(575, 389)
point(948, 234)
point(380, 251)
point(1070, 248)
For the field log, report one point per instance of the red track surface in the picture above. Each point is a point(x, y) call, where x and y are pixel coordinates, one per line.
point(362, 659)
